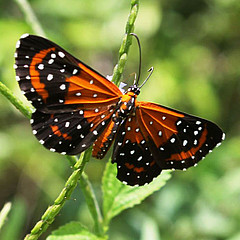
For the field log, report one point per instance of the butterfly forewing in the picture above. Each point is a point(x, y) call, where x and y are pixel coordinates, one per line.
point(70, 97)
point(181, 140)
point(53, 80)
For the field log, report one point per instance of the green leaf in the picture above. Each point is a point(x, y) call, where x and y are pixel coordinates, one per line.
point(118, 197)
point(73, 231)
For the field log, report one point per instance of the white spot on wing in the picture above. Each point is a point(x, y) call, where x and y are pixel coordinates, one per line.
point(61, 54)
point(41, 66)
point(63, 87)
point(74, 71)
point(223, 136)
point(51, 61)
point(24, 35)
point(185, 143)
point(178, 122)
point(49, 77)
point(18, 44)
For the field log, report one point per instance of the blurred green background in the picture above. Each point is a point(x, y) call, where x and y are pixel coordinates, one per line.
point(194, 46)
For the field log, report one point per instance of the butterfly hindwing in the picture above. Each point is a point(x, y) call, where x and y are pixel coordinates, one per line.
point(71, 132)
point(53, 80)
point(181, 139)
point(132, 153)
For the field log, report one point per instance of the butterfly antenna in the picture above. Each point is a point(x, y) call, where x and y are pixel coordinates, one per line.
point(149, 75)
point(136, 80)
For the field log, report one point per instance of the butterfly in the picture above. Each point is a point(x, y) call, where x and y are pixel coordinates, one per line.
point(77, 107)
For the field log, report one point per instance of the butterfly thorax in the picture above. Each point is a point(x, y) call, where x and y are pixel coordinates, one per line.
point(127, 103)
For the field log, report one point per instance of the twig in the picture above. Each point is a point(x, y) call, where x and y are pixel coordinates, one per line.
point(126, 43)
point(92, 203)
point(50, 214)
point(91, 200)
point(26, 111)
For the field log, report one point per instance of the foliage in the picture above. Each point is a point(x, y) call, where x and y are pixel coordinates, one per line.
point(194, 47)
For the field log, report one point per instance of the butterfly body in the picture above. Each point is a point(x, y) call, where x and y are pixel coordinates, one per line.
point(76, 107)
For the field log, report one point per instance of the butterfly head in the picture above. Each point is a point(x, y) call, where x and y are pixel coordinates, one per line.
point(135, 89)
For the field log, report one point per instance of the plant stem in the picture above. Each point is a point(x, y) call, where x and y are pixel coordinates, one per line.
point(50, 214)
point(92, 203)
point(26, 111)
point(126, 43)
point(31, 17)
point(91, 200)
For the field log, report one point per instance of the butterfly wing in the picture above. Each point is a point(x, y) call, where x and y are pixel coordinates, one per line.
point(135, 161)
point(181, 140)
point(155, 138)
point(55, 81)
point(71, 132)
point(74, 103)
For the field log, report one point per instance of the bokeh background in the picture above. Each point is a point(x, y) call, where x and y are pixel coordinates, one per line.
point(194, 47)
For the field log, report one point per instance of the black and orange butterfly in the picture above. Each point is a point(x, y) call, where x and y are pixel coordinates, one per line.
point(77, 107)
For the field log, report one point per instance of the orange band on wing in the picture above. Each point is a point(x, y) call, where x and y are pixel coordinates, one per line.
point(34, 74)
point(57, 132)
point(184, 155)
point(135, 169)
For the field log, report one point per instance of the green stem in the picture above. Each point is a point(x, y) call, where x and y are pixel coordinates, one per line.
point(126, 43)
point(91, 200)
point(49, 216)
point(26, 111)
point(92, 203)
point(31, 17)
